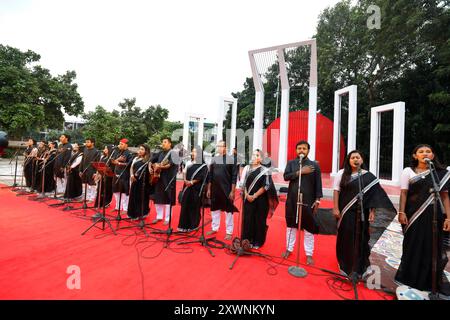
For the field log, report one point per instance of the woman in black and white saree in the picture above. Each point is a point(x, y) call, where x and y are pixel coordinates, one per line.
point(260, 200)
point(416, 217)
point(346, 208)
point(190, 196)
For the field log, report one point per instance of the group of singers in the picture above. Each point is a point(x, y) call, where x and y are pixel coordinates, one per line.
point(152, 176)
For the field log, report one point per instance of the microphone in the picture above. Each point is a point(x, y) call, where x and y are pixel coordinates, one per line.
point(428, 162)
point(301, 156)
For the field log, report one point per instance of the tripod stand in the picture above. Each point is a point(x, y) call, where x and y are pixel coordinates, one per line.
point(239, 246)
point(16, 157)
point(103, 169)
point(203, 240)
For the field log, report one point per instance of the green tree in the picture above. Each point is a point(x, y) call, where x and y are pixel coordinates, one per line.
point(30, 97)
point(102, 125)
point(168, 128)
point(132, 126)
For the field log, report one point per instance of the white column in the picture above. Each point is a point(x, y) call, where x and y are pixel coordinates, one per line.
point(201, 124)
point(312, 119)
point(398, 143)
point(397, 140)
point(220, 121)
point(258, 120)
point(186, 131)
point(284, 129)
point(352, 116)
point(337, 121)
point(312, 114)
point(233, 124)
point(336, 133)
point(284, 111)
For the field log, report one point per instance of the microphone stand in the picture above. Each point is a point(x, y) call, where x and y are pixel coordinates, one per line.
point(241, 246)
point(434, 295)
point(14, 185)
point(118, 217)
point(85, 206)
point(39, 170)
point(65, 201)
point(141, 224)
point(357, 243)
point(21, 179)
point(297, 271)
point(45, 166)
point(42, 171)
point(359, 236)
point(69, 208)
point(103, 217)
point(203, 240)
point(23, 192)
point(169, 230)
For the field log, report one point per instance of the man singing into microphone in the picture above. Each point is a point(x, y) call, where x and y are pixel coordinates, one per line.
point(311, 190)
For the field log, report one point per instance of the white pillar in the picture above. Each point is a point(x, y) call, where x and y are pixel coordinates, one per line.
point(352, 116)
point(220, 119)
point(201, 124)
point(398, 140)
point(398, 143)
point(258, 120)
point(312, 113)
point(284, 129)
point(351, 130)
point(233, 124)
point(284, 111)
point(312, 119)
point(186, 131)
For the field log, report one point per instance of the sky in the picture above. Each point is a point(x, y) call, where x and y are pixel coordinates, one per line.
point(183, 55)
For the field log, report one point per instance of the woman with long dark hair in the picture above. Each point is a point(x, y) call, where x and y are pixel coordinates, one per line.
point(416, 217)
point(260, 200)
point(347, 208)
point(138, 203)
point(194, 174)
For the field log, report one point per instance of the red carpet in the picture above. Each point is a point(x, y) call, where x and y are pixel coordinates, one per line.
point(39, 243)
